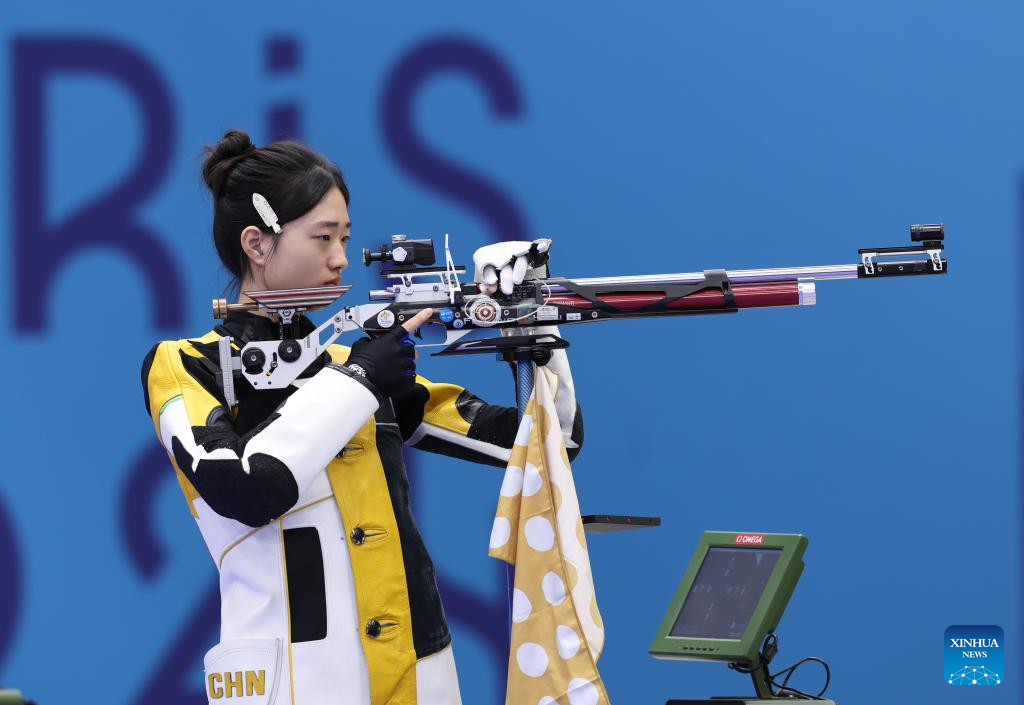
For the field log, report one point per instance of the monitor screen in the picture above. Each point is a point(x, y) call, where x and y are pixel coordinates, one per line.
point(725, 593)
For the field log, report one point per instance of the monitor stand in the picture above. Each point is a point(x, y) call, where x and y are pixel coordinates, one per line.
point(762, 687)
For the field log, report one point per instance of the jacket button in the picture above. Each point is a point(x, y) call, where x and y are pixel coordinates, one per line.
point(357, 536)
point(373, 628)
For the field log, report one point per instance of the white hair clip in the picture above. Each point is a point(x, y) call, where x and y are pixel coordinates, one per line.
point(266, 212)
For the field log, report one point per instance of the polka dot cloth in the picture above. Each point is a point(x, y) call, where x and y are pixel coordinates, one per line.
point(557, 633)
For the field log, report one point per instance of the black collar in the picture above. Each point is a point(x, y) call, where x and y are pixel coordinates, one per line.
point(244, 326)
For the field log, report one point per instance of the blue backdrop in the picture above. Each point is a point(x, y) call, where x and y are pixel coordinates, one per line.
point(665, 137)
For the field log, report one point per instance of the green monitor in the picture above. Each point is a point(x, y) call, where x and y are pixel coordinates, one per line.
point(731, 597)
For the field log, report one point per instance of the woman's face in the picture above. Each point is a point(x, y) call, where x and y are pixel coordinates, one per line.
point(311, 250)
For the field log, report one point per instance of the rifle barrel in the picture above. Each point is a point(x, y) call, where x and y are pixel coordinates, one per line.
point(736, 276)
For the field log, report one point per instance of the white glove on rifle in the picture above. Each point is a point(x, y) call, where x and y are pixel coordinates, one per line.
point(506, 264)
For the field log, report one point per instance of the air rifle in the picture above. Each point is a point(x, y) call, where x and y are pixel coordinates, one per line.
point(461, 309)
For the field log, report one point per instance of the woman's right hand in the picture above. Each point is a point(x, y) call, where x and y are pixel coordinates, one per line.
point(389, 360)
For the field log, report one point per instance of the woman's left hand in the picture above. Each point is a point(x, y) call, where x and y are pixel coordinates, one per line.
point(509, 263)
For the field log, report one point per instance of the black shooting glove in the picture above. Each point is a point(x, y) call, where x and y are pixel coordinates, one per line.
point(387, 361)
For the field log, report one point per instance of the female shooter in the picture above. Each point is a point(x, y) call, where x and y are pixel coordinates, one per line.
point(328, 592)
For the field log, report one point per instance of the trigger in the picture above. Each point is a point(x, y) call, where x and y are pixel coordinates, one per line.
point(418, 334)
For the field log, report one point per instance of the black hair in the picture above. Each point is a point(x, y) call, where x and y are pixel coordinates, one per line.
point(291, 176)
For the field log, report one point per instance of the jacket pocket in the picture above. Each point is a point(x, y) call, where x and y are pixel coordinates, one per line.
point(243, 672)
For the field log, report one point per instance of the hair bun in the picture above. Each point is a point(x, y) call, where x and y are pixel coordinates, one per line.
point(222, 156)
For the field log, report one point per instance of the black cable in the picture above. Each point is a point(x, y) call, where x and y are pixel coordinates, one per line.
point(769, 647)
point(784, 687)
